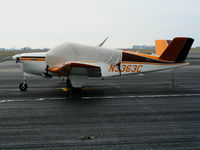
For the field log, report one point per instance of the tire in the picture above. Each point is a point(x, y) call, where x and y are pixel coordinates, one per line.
point(23, 86)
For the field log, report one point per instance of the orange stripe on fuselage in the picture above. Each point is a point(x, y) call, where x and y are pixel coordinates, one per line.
point(33, 59)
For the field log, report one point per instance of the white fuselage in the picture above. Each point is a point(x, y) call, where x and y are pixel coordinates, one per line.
point(35, 63)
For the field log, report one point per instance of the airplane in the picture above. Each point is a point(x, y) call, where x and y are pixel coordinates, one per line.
point(77, 62)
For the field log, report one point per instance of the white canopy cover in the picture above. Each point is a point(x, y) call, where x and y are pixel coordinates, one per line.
point(61, 54)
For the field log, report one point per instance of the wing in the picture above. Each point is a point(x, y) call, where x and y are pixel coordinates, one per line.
point(78, 68)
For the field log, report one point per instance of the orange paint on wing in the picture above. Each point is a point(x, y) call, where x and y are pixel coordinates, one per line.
point(53, 69)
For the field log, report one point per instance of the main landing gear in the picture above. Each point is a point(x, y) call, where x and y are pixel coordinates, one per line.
point(23, 85)
point(69, 84)
point(72, 89)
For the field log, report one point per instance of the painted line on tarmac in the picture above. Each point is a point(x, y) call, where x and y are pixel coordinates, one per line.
point(142, 96)
point(101, 97)
point(10, 100)
point(38, 99)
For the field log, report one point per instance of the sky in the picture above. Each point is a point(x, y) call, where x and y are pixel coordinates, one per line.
point(47, 23)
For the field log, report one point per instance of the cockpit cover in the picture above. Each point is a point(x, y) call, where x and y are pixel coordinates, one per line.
point(66, 52)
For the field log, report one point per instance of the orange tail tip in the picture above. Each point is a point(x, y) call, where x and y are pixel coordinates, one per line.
point(177, 50)
point(161, 46)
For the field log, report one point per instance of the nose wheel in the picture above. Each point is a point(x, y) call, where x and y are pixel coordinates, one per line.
point(23, 86)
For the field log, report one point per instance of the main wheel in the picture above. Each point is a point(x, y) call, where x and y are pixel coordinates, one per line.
point(23, 86)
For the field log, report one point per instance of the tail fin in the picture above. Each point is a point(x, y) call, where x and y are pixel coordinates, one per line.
point(177, 50)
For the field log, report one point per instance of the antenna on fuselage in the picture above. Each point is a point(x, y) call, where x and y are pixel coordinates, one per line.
point(100, 45)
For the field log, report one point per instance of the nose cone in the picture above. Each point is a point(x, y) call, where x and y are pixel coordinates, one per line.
point(16, 56)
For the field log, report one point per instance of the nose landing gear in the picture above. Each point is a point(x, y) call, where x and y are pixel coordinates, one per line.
point(23, 85)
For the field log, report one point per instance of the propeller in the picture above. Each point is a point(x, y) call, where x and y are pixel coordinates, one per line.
point(102, 43)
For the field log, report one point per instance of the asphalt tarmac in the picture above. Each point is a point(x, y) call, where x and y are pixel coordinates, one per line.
point(129, 112)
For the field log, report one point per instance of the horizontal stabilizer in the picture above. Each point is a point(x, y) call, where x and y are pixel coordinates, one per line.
point(161, 46)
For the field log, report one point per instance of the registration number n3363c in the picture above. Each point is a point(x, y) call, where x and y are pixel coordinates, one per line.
point(126, 68)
